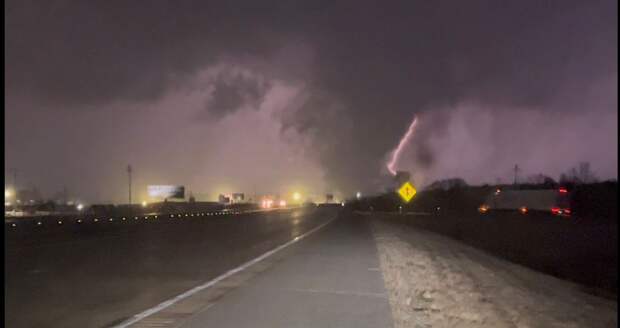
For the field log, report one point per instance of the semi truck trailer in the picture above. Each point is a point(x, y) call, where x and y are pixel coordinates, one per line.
point(554, 201)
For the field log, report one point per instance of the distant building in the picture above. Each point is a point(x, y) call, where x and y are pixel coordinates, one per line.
point(28, 196)
point(238, 197)
point(232, 198)
point(223, 199)
point(447, 184)
point(329, 198)
point(107, 210)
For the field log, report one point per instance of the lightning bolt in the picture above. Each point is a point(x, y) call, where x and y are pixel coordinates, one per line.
point(403, 141)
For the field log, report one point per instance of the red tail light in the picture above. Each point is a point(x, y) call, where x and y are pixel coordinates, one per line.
point(561, 211)
point(562, 190)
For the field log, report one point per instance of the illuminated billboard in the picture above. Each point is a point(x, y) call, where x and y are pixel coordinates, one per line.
point(165, 191)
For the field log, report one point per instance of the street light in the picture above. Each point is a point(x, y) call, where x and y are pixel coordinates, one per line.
point(7, 193)
point(80, 207)
point(296, 196)
point(358, 195)
point(144, 204)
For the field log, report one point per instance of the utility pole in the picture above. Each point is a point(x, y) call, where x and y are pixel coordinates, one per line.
point(14, 170)
point(64, 195)
point(516, 173)
point(129, 175)
point(255, 194)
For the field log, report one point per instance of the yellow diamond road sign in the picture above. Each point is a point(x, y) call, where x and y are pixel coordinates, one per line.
point(407, 191)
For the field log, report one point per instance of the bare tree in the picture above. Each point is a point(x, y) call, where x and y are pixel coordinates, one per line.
point(580, 174)
point(585, 174)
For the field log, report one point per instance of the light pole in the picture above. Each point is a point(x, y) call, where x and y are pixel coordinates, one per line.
point(129, 176)
point(516, 169)
point(14, 170)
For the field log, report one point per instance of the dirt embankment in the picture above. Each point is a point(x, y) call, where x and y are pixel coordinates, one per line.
point(435, 281)
point(582, 248)
point(583, 252)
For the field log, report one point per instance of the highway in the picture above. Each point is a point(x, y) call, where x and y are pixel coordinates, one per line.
point(310, 267)
point(331, 278)
point(98, 274)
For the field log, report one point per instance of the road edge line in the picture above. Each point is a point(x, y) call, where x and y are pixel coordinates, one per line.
point(182, 296)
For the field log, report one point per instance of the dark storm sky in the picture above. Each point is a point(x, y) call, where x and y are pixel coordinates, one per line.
point(304, 95)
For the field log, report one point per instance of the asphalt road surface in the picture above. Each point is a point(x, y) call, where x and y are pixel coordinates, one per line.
point(330, 279)
point(100, 274)
point(313, 267)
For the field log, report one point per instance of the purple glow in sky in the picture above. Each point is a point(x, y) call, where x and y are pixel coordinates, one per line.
point(272, 97)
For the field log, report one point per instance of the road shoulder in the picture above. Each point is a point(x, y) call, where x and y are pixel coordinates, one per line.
point(434, 281)
point(329, 279)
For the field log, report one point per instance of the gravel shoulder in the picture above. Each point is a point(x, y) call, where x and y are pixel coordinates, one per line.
point(434, 281)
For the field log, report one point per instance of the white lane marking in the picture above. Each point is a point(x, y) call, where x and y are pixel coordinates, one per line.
point(208, 307)
point(208, 284)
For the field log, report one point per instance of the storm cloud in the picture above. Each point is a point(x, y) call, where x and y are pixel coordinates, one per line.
point(338, 81)
point(231, 93)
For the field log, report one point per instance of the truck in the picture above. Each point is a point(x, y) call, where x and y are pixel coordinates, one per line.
point(554, 201)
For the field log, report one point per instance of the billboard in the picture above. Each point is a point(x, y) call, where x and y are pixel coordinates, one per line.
point(166, 191)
